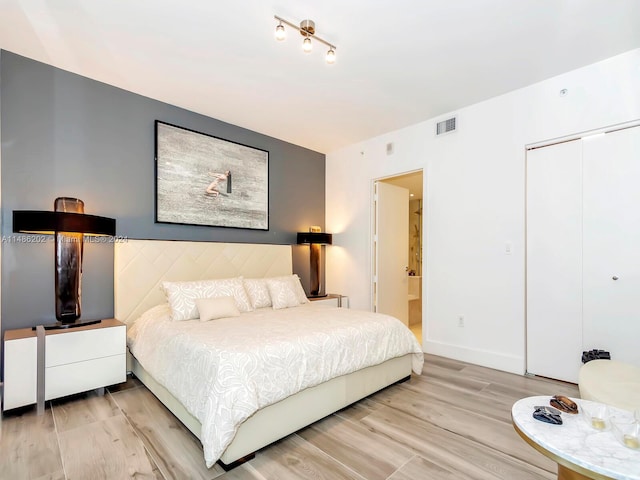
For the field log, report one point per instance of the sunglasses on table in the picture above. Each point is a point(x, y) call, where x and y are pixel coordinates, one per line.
point(564, 404)
point(547, 415)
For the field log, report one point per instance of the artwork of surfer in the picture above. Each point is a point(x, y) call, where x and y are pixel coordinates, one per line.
point(193, 180)
point(214, 186)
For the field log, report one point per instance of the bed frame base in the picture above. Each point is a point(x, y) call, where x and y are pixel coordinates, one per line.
point(291, 414)
point(251, 456)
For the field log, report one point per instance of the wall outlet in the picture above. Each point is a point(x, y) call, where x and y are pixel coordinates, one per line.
point(461, 320)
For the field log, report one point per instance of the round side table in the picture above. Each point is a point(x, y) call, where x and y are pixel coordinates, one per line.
point(580, 451)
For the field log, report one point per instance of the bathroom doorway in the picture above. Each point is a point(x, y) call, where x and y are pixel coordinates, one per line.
point(412, 182)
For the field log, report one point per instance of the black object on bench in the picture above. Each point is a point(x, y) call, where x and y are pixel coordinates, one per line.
point(595, 355)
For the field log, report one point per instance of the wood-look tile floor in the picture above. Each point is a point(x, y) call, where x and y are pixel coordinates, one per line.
point(451, 422)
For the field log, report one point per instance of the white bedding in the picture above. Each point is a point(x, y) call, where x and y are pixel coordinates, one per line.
point(224, 370)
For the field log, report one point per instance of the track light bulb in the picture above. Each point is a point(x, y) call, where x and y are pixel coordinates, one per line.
point(306, 45)
point(280, 33)
point(331, 56)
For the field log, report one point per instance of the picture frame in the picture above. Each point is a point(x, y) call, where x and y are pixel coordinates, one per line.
point(204, 180)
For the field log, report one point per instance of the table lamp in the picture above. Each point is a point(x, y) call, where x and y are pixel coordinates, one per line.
point(315, 239)
point(69, 224)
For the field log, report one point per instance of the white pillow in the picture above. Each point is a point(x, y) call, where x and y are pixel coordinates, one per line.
point(283, 293)
point(297, 285)
point(182, 296)
point(214, 308)
point(258, 292)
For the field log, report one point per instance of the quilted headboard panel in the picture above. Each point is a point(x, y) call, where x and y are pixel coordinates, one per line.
point(141, 265)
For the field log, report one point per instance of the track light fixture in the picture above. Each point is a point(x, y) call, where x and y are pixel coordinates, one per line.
point(307, 29)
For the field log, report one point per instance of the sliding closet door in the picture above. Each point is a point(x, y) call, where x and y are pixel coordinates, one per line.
point(554, 261)
point(611, 243)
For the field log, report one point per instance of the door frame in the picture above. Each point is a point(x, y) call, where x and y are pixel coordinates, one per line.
point(372, 238)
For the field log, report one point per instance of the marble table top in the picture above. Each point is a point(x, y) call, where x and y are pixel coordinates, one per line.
point(577, 442)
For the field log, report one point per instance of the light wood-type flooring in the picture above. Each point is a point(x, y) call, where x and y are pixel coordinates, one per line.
point(451, 422)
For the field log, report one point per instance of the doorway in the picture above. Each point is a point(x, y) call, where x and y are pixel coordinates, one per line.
point(397, 235)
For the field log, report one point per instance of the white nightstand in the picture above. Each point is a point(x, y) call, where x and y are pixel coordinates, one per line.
point(332, 299)
point(75, 360)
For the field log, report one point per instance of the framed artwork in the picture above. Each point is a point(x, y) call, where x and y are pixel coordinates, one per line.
point(204, 180)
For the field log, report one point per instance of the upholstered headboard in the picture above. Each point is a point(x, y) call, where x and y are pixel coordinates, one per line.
point(141, 265)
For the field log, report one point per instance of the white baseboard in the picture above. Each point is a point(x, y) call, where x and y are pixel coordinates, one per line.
point(499, 361)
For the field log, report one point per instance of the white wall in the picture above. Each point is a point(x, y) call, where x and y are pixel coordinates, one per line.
point(473, 205)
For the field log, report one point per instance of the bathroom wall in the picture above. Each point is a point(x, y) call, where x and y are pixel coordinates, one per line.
point(415, 237)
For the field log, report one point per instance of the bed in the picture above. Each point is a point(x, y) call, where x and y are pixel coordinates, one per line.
point(248, 413)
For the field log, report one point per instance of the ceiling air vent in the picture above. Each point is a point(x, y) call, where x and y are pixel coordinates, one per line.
point(446, 126)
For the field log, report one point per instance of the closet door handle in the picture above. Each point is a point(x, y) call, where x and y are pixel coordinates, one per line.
point(615, 277)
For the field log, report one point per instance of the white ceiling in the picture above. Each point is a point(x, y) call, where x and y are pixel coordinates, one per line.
point(398, 62)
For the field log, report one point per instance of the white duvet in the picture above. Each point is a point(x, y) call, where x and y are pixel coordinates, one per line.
point(224, 370)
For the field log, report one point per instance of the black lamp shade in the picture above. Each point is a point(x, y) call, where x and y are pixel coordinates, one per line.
point(305, 238)
point(42, 222)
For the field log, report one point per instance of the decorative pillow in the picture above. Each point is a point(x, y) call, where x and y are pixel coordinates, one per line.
point(214, 308)
point(258, 292)
point(182, 295)
point(302, 296)
point(283, 292)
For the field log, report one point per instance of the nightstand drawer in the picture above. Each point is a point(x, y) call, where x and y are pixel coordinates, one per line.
point(77, 377)
point(72, 347)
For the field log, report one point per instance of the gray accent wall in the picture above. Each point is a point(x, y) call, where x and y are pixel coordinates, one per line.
point(67, 135)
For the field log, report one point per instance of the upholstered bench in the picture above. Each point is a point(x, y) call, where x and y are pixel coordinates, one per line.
point(611, 382)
